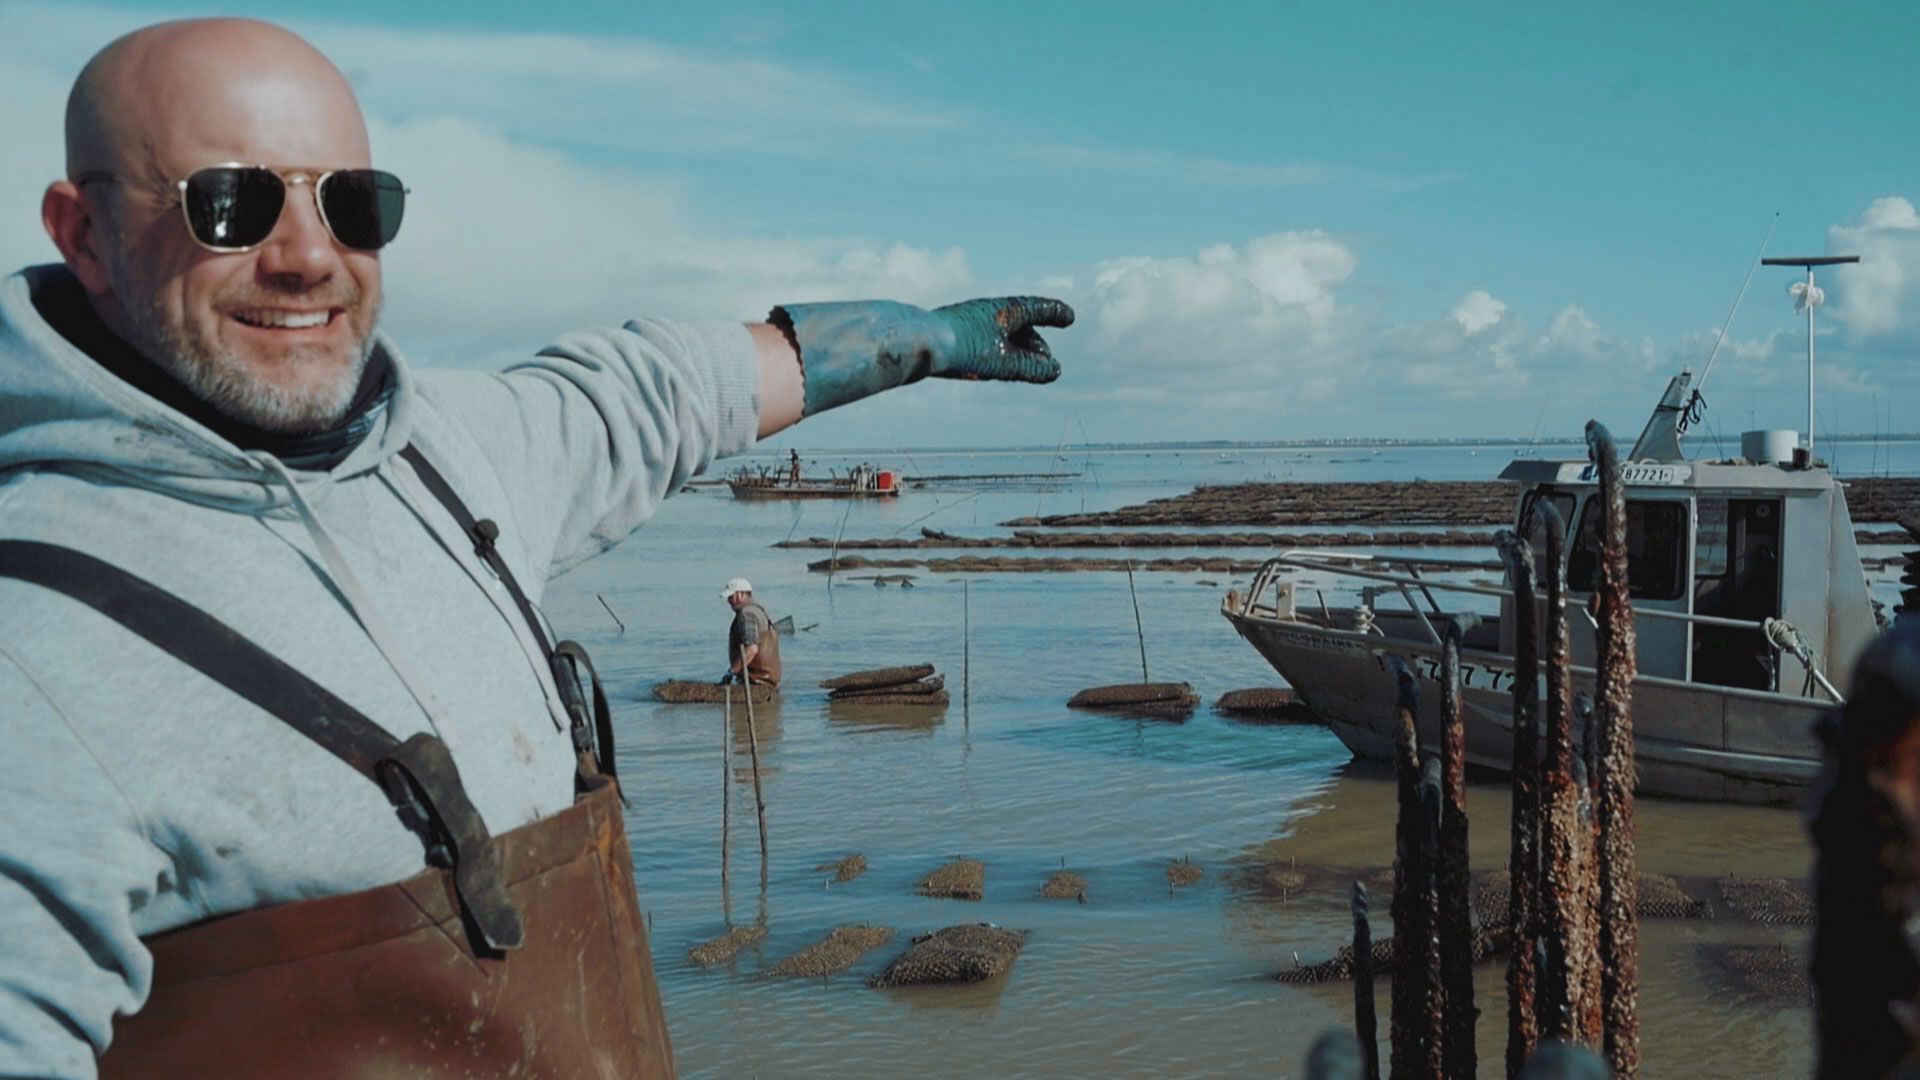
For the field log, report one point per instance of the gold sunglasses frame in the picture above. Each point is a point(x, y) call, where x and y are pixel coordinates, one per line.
point(288, 179)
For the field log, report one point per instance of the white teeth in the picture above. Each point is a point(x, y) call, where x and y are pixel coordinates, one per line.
point(284, 320)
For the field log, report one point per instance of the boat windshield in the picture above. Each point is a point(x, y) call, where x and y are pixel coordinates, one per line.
point(1656, 549)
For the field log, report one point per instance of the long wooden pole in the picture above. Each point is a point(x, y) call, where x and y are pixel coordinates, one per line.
point(753, 748)
point(1138, 631)
point(726, 781)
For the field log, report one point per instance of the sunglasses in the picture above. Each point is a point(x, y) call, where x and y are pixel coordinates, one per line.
point(233, 207)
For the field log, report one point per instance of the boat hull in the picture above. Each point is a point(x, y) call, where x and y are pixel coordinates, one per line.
point(1691, 741)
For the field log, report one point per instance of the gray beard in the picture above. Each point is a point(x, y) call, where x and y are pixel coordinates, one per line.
point(222, 379)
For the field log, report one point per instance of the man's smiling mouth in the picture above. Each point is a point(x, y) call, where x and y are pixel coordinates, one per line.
point(282, 318)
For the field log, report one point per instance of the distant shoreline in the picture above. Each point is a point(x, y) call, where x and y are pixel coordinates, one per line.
point(1277, 444)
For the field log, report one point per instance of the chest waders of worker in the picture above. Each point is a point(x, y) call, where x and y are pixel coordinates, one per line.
point(521, 954)
point(765, 669)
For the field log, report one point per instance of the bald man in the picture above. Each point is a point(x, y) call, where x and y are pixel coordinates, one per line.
point(268, 596)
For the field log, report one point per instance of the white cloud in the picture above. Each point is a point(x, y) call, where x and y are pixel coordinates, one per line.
point(1477, 311)
point(492, 218)
point(1284, 283)
point(1871, 299)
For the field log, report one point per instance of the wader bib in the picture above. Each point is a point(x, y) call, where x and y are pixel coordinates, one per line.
point(765, 668)
point(522, 954)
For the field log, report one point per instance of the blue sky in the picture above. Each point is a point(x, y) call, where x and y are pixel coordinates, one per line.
point(1277, 220)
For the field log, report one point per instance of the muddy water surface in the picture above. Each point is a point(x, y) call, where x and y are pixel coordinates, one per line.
point(1141, 980)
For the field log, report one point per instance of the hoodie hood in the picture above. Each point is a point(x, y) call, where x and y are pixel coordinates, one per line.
point(59, 409)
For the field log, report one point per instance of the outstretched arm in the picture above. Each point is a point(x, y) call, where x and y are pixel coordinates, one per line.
point(782, 392)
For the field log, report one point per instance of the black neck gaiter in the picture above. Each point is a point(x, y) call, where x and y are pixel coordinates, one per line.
point(64, 305)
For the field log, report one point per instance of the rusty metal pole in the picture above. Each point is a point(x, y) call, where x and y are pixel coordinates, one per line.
point(1366, 1025)
point(1865, 825)
point(1523, 861)
point(1406, 1023)
point(1570, 999)
point(1452, 877)
point(1614, 767)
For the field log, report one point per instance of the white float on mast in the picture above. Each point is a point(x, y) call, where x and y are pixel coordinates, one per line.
point(1807, 296)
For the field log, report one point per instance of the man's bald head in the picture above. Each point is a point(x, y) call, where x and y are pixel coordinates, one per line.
point(196, 85)
point(276, 334)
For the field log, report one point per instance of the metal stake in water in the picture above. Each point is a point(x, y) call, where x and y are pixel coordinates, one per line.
point(1809, 299)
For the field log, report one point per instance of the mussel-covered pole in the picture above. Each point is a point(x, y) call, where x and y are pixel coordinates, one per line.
point(1614, 767)
point(1433, 996)
point(1866, 835)
point(1412, 917)
point(1570, 987)
point(1452, 876)
point(1523, 1030)
point(1366, 1026)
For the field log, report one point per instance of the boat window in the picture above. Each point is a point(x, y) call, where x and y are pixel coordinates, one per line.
point(1710, 538)
point(1656, 551)
point(1736, 576)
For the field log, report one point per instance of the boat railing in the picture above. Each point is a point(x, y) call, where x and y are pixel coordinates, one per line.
point(1408, 579)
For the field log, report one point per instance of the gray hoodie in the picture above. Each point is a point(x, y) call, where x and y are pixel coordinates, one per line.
point(135, 794)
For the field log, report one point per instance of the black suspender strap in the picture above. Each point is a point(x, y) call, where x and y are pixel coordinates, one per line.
point(592, 731)
point(418, 775)
point(482, 533)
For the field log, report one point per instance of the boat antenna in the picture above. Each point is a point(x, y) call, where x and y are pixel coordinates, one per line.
point(1697, 404)
point(1807, 296)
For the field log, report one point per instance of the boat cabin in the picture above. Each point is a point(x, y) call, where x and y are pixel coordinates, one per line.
point(1737, 540)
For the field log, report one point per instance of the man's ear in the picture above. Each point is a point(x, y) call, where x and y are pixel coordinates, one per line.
point(76, 232)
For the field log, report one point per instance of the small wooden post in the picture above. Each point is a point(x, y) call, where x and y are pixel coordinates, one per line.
point(1138, 631)
point(966, 652)
point(609, 607)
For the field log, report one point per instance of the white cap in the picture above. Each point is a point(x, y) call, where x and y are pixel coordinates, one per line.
point(738, 584)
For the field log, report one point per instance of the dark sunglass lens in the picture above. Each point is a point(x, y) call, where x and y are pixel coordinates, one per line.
point(233, 207)
point(364, 207)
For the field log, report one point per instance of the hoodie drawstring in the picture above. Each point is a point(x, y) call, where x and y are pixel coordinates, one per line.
point(359, 603)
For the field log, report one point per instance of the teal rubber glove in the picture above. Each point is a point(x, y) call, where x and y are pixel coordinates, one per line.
point(851, 350)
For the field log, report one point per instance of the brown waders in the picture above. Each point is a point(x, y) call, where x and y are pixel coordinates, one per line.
point(523, 954)
point(765, 669)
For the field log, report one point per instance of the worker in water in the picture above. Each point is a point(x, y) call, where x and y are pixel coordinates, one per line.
point(297, 778)
point(793, 467)
point(753, 645)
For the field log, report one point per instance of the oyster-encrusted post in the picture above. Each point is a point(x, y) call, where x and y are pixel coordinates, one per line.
point(1523, 860)
point(1412, 917)
point(1614, 767)
point(1452, 875)
point(1570, 987)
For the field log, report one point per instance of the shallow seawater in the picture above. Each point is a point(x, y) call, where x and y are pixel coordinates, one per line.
point(1141, 980)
